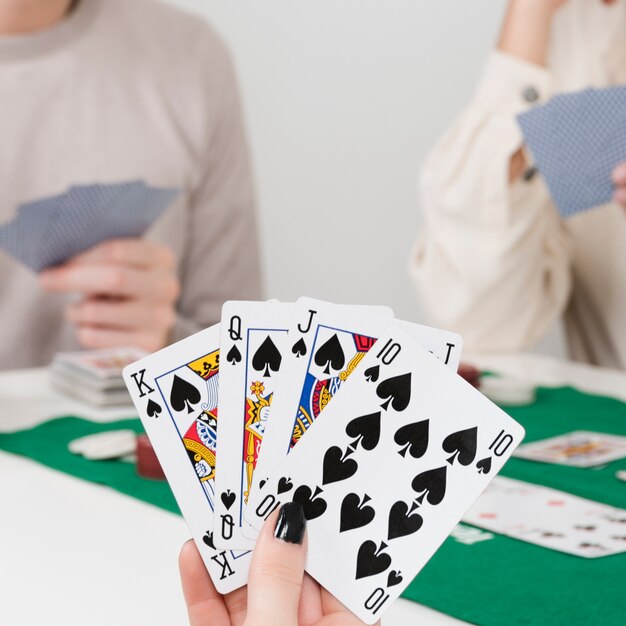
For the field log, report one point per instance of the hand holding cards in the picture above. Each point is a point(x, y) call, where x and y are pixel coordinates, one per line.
point(392, 446)
point(388, 470)
point(51, 230)
point(577, 140)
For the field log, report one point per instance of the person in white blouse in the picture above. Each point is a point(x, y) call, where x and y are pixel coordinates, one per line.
point(495, 261)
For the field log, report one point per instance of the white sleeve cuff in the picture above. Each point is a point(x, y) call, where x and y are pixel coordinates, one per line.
point(511, 84)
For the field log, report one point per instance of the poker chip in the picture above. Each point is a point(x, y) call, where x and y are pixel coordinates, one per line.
point(148, 465)
point(469, 373)
point(507, 391)
point(111, 444)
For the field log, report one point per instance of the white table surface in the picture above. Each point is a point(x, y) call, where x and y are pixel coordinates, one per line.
point(73, 553)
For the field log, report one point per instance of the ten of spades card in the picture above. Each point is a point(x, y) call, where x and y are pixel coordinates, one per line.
point(388, 469)
point(175, 392)
point(253, 336)
point(326, 343)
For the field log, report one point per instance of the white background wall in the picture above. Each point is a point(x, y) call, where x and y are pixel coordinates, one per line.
point(343, 99)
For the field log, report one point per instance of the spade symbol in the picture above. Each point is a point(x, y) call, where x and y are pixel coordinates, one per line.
point(228, 497)
point(233, 356)
point(284, 484)
point(462, 446)
point(413, 438)
point(484, 465)
point(431, 484)
point(299, 348)
point(371, 560)
point(372, 373)
point(208, 539)
point(336, 467)
point(354, 513)
point(394, 578)
point(153, 409)
point(330, 354)
point(312, 505)
point(365, 429)
point(183, 395)
point(267, 358)
point(401, 522)
point(395, 390)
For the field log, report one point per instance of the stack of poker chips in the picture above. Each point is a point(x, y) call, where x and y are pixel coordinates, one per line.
point(122, 445)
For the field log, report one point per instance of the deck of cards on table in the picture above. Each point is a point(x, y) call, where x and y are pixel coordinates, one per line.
point(94, 376)
point(358, 416)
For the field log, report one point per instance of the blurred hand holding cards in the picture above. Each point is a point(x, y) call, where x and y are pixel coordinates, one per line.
point(392, 445)
point(577, 140)
point(51, 230)
point(94, 376)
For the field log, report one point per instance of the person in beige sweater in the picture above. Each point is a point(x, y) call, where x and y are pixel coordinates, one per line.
point(495, 262)
point(119, 90)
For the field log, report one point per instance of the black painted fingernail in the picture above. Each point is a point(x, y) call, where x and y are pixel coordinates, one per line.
point(291, 523)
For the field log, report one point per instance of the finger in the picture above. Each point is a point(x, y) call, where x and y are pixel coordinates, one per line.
point(620, 196)
point(95, 337)
point(517, 165)
point(310, 609)
point(336, 612)
point(237, 605)
point(121, 314)
point(330, 604)
point(619, 174)
point(205, 605)
point(136, 252)
point(277, 569)
point(111, 280)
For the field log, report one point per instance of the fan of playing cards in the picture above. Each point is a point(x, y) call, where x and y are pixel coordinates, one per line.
point(51, 230)
point(577, 139)
point(358, 416)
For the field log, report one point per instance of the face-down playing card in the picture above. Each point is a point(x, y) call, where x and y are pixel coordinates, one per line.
point(175, 392)
point(577, 139)
point(326, 342)
point(29, 232)
point(388, 469)
point(252, 338)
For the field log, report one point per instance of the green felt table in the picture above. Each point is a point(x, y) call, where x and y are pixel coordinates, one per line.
point(493, 581)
